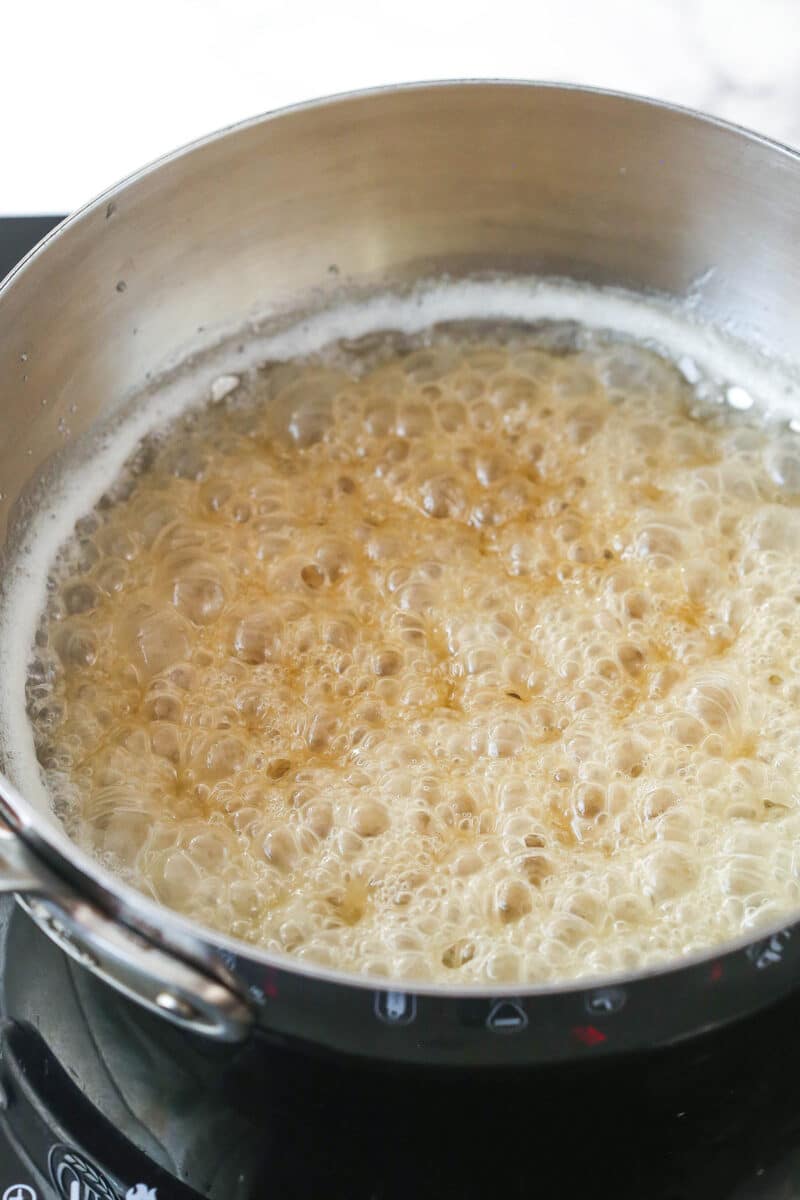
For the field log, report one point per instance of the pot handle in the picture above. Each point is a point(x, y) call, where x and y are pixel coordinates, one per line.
point(131, 964)
point(17, 870)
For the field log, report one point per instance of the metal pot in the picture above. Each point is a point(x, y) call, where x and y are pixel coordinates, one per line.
point(389, 185)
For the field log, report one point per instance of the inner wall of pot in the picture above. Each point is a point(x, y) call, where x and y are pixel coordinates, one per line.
point(332, 199)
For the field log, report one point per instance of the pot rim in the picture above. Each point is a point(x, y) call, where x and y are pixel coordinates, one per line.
point(326, 101)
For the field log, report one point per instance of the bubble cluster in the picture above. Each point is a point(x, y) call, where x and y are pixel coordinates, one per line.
point(466, 656)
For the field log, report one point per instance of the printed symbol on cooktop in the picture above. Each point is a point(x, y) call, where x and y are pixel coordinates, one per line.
point(20, 1191)
point(395, 1008)
point(141, 1192)
point(75, 1178)
point(507, 1016)
point(604, 1001)
point(767, 953)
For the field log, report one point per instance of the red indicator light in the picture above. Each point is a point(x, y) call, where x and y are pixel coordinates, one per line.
point(590, 1035)
point(270, 984)
point(715, 974)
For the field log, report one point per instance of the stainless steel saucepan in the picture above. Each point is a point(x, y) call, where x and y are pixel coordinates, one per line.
point(276, 213)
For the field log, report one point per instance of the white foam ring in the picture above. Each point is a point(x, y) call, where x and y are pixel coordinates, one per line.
point(665, 325)
point(701, 353)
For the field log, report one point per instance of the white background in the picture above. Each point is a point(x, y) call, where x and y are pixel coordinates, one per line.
point(91, 90)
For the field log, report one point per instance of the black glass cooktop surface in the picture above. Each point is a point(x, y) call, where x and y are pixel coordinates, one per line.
point(99, 1101)
point(18, 235)
point(103, 1102)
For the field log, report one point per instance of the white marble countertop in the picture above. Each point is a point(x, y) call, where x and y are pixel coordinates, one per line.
point(90, 91)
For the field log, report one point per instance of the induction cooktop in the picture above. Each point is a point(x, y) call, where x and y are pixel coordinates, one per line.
point(101, 1101)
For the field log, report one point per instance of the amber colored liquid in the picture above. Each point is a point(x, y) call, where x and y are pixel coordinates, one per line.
point(470, 660)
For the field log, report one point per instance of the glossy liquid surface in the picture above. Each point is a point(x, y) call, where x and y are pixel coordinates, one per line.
point(473, 656)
